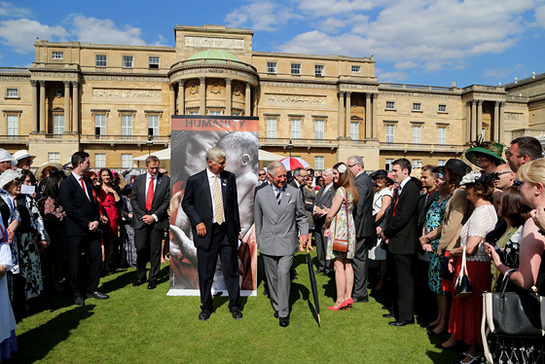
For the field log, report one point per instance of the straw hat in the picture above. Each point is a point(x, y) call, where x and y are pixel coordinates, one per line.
point(44, 166)
point(21, 154)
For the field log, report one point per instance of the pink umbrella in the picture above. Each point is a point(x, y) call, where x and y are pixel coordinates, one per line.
point(293, 162)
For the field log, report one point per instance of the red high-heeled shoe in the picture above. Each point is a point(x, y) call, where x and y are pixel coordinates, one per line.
point(342, 306)
point(349, 303)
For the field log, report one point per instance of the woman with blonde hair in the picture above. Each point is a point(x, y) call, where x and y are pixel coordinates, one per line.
point(339, 225)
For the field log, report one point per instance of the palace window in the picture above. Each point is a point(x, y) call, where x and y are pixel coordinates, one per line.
point(417, 106)
point(390, 133)
point(153, 62)
point(356, 69)
point(319, 163)
point(126, 160)
point(100, 160)
point(417, 163)
point(355, 131)
point(295, 128)
point(101, 60)
point(128, 62)
point(100, 124)
point(53, 157)
point(57, 55)
point(13, 124)
point(388, 164)
point(442, 109)
point(295, 68)
point(441, 162)
point(442, 134)
point(271, 67)
point(390, 105)
point(58, 125)
point(319, 70)
point(214, 113)
point(126, 126)
point(12, 93)
point(319, 129)
point(271, 128)
point(153, 125)
point(417, 133)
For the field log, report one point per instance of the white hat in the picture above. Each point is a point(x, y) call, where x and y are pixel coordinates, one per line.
point(21, 154)
point(8, 176)
point(6, 156)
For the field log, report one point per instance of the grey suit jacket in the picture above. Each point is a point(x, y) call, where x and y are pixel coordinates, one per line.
point(323, 199)
point(363, 213)
point(277, 226)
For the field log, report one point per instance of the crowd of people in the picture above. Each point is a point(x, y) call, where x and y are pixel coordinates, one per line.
point(416, 231)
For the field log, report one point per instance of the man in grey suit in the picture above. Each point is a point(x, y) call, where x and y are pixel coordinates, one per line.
point(323, 202)
point(279, 216)
point(364, 222)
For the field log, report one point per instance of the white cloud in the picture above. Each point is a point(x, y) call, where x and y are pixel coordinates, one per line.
point(540, 15)
point(21, 34)
point(405, 65)
point(391, 76)
point(501, 73)
point(263, 16)
point(104, 31)
point(330, 7)
point(9, 10)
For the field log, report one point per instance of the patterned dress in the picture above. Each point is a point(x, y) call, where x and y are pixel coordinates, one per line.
point(128, 250)
point(53, 215)
point(342, 227)
point(434, 218)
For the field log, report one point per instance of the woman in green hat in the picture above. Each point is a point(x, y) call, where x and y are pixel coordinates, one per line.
point(485, 155)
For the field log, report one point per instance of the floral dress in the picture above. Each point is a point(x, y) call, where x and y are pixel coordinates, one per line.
point(342, 227)
point(434, 219)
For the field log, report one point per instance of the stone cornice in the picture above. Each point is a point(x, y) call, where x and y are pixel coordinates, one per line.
point(298, 83)
point(213, 71)
point(421, 93)
point(142, 77)
point(308, 56)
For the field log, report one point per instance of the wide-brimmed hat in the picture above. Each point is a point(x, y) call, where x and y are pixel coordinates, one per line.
point(492, 150)
point(21, 154)
point(457, 166)
point(45, 165)
point(127, 189)
point(382, 173)
point(439, 170)
point(6, 156)
point(8, 176)
point(478, 177)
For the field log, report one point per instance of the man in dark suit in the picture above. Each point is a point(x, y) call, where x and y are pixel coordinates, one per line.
point(401, 238)
point(211, 203)
point(78, 199)
point(150, 200)
point(323, 202)
point(299, 178)
point(363, 219)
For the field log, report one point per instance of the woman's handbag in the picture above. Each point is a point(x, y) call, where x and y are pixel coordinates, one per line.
point(340, 245)
point(444, 272)
point(512, 314)
point(463, 285)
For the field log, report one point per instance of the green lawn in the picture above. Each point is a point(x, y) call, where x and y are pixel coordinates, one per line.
point(140, 326)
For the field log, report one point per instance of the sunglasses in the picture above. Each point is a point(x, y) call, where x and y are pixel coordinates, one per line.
point(261, 174)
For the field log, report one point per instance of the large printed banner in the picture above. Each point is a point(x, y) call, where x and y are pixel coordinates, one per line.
point(191, 137)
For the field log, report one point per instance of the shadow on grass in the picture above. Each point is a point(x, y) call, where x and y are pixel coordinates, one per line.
point(45, 337)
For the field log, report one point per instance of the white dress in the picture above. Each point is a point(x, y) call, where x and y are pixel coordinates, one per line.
point(7, 319)
point(376, 252)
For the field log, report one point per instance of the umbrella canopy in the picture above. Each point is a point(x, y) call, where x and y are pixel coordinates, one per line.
point(294, 162)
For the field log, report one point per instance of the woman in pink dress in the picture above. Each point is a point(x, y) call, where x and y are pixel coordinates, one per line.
point(109, 198)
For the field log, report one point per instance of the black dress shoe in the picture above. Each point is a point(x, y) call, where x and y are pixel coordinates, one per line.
point(387, 308)
point(79, 301)
point(236, 313)
point(152, 285)
point(138, 282)
point(284, 321)
point(389, 315)
point(400, 323)
point(360, 299)
point(275, 314)
point(205, 315)
point(97, 295)
point(318, 271)
point(433, 334)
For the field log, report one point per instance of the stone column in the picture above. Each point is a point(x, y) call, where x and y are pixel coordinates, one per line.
point(75, 108)
point(228, 95)
point(368, 132)
point(348, 116)
point(202, 96)
point(496, 123)
point(67, 103)
point(181, 97)
point(34, 106)
point(248, 100)
point(172, 99)
point(473, 122)
point(42, 107)
point(340, 114)
point(479, 117)
point(501, 138)
point(374, 115)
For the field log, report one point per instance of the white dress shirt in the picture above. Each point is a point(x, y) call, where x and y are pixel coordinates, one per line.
point(211, 178)
point(79, 178)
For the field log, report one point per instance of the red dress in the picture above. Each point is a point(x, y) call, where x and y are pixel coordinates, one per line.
point(107, 200)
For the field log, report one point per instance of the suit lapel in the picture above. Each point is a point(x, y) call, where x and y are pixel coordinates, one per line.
point(205, 185)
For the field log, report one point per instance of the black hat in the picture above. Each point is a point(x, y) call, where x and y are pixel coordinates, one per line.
point(458, 166)
point(438, 169)
point(127, 189)
point(383, 173)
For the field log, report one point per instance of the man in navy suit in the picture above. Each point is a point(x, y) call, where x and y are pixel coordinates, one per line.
point(401, 237)
point(211, 203)
point(78, 199)
point(150, 199)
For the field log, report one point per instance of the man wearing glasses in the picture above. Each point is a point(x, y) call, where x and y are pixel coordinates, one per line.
point(262, 176)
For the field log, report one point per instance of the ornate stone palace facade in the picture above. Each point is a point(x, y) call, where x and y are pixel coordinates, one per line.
point(112, 101)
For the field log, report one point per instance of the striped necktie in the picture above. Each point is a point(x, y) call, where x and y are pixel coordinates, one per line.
point(278, 196)
point(218, 203)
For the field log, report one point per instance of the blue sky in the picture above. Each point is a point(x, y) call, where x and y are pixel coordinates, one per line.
point(429, 42)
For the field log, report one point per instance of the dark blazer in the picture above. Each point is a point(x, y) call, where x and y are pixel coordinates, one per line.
point(422, 210)
point(323, 199)
point(363, 213)
point(159, 206)
point(197, 204)
point(80, 211)
point(401, 228)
